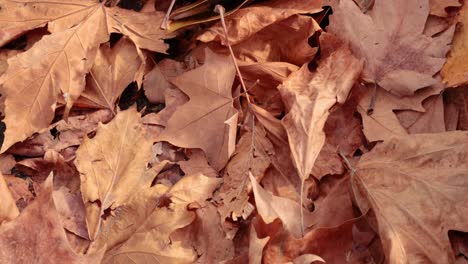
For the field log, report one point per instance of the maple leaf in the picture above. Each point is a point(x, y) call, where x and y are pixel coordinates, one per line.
point(208, 121)
point(112, 165)
point(414, 186)
point(431, 121)
point(151, 241)
point(193, 188)
point(454, 71)
point(73, 44)
point(381, 122)
point(399, 57)
point(113, 70)
point(308, 98)
point(37, 236)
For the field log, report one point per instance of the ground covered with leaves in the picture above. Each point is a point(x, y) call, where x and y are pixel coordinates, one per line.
point(277, 131)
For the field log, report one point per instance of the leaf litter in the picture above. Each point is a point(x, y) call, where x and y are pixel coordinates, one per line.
point(274, 131)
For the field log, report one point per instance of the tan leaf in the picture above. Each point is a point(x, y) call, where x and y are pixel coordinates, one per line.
point(7, 162)
point(399, 57)
point(59, 62)
point(271, 207)
point(113, 70)
point(252, 154)
point(197, 163)
point(431, 121)
point(308, 98)
point(380, 121)
point(8, 211)
point(71, 210)
point(112, 165)
point(151, 242)
point(454, 71)
point(203, 122)
point(438, 7)
point(193, 188)
point(248, 21)
point(416, 188)
point(37, 236)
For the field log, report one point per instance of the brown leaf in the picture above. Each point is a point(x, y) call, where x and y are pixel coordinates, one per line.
point(197, 163)
point(415, 186)
point(271, 207)
point(431, 121)
point(208, 121)
point(193, 188)
point(454, 71)
point(377, 111)
point(252, 155)
point(399, 58)
point(151, 241)
point(157, 80)
point(37, 236)
point(438, 7)
point(113, 70)
point(308, 98)
point(250, 20)
point(112, 166)
point(71, 210)
point(8, 211)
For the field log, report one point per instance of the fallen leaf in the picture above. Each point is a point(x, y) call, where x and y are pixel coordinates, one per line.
point(252, 155)
point(308, 98)
point(71, 210)
point(271, 207)
point(415, 186)
point(7, 162)
point(8, 211)
point(454, 70)
point(113, 70)
point(112, 166)
point(37, 236)
point(151, 241)
point(386, 38)
point(431, 121)
point(250, 20)
point(439, 7)
point(206, 120)
point(193, 188)
point(197, 163)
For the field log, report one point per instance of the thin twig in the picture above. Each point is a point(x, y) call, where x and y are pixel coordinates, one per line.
point(166, 17)
point(220, 10)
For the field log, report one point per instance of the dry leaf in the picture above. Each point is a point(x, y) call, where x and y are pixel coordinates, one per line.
point(438, 7)
point(308, 98)
point(193, 188)
point(250, 20)
point(197, 163)
point(8, 211)
point(112, 166)
point(37, 236)
point(454, 71)
point(399, 58)
point(113, 70)
point(252, 155)
point(151, 241)
point(208, 121)
point(431, 121)
point(415, 185)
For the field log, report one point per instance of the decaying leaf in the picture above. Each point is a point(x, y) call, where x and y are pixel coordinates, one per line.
point(8, 211)
point(399, 57)
point(37, 235)
point(208, 120)
point(112, 166)
point(417, 189)
point(308, 98)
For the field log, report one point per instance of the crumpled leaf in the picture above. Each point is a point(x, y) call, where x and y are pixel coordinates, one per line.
point(308, 98)
point(208, 121)
point(454, 70)
point(37, 236)
point(399, 57)
point(112, 165)
point(193, 188)
point(438, 7)
point(248, 21)
point(252, 154)
point(417, 189)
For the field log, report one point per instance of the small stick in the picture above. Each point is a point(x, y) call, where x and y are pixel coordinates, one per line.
point(166, 17)
point(220, 10)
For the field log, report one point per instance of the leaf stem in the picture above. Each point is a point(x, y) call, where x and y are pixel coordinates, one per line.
point(220, 10)
point(166, 17)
